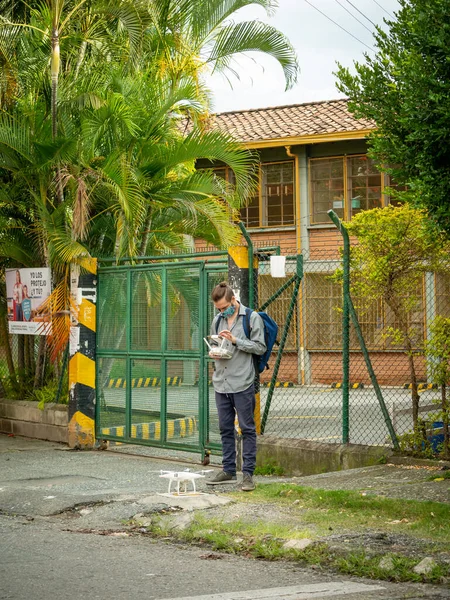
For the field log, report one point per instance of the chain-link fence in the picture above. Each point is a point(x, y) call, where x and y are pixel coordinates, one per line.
point(18, 354)
point(152, 361)
point(8, 360)
point(387, 368)
point(154, 374)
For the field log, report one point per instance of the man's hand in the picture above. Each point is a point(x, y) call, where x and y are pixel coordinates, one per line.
point(228, 336)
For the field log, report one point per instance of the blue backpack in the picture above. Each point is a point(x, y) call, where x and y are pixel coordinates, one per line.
point(270, 336)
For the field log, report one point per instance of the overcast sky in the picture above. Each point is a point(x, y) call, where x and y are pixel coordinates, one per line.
point(319, 43)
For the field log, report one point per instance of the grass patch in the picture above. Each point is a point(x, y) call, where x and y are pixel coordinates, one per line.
point(259, 540)
point(342, 510)
point(361, 565)
point(118, 372)
point(269, 468)
point(263, 540)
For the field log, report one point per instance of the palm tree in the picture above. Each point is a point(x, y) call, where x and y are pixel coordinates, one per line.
point(190, 36)
point(128, 176)
point(93, 94)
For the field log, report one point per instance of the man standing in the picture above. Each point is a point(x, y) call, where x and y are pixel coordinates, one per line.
point(233, 382)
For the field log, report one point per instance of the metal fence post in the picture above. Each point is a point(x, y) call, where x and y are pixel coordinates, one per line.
point(350, 311)
point(345, 327)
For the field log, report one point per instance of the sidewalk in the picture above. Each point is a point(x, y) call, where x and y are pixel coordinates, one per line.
point(40, 478)
point(44, 478)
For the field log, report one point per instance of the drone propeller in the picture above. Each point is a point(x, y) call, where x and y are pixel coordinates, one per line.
point(163, 472)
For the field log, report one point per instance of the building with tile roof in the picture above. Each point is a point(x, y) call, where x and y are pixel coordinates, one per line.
point(313, 158)
point(312, 122)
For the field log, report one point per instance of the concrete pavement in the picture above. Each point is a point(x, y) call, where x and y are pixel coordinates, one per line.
point(49, 492)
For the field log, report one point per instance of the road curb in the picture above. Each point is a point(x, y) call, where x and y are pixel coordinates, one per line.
point(143, 382)
point(353, 386)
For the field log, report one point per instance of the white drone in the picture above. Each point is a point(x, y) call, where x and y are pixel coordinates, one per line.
point(183, 477)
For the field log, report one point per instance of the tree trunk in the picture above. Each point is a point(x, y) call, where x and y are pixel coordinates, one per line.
point(55, 61)
point(146, 233)
point(32, 357)
point(27, 355)
point(403, 327)
point(415, 397)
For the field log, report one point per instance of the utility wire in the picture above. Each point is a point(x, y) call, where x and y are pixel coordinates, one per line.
point(340, 26)
point(387, 12)
point(361, 13)
point(356, 18)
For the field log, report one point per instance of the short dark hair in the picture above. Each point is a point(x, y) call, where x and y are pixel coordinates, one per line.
point(223, 290)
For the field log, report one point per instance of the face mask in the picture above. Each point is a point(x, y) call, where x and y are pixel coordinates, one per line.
point(228, 312)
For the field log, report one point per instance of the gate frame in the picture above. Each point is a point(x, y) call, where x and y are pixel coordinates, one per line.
point(163, 263)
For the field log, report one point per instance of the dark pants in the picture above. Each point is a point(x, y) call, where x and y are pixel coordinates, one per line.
point(242, 403)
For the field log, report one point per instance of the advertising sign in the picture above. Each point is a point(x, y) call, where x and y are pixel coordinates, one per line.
point(27, 290)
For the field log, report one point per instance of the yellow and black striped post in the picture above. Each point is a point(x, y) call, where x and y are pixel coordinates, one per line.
point(240, 281)
point(82, 359)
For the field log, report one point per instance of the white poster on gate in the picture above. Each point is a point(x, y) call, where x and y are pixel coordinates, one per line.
point(27, 290)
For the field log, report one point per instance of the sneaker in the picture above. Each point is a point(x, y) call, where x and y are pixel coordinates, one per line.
point(248, 485)
point(222, 478)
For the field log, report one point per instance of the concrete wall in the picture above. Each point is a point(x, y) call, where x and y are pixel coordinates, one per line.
point(26, 419)
point(303, 457)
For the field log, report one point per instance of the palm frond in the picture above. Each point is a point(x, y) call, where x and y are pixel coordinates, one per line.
point(208, 16)
point(257, 37)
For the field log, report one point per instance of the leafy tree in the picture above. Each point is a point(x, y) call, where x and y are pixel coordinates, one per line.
point(92, 96)
point(396, 247)
point(405, 89)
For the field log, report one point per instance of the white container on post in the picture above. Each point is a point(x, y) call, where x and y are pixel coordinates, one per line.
point(278, 266)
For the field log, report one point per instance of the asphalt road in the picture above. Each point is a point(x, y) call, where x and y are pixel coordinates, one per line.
point(62, 535)
point(41, 560)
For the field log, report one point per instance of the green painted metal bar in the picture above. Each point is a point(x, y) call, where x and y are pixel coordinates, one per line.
point(142, 354)
point(163, 359)
point(163, 256)
point(345, 329)
point(128, 360)
point(373, 377)
point(125, 268)
point(269, 249)
point(299, 270)
point(202, 388)
point(280, 352)
point(251, 283)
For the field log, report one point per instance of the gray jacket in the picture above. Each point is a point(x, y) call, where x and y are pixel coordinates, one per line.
point(238, 373)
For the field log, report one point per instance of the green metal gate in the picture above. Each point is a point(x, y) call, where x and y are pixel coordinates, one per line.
point(153, 379)
point(152, 373)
